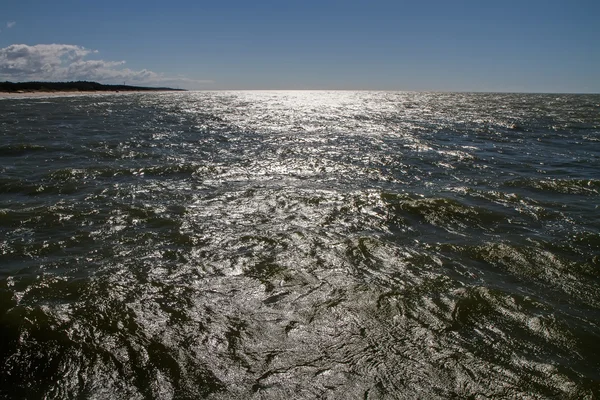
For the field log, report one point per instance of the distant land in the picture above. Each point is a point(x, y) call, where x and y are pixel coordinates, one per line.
point(79, 86)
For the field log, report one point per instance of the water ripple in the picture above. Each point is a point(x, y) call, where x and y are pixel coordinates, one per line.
point(300, 244)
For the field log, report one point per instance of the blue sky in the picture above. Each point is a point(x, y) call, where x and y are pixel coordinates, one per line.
point(523, 46)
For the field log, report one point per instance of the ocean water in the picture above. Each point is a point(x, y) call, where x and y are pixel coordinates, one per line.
point(268, 245)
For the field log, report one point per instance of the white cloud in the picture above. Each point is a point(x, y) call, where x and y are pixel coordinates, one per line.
point(10, 24)
point(66, 62)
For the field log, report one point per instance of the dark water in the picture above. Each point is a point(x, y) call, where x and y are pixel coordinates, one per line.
point(266, 245)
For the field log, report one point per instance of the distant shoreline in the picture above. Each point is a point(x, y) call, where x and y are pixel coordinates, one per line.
point(38, 94)
point(34, 89)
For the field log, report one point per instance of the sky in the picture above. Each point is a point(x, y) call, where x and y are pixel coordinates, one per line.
point(427, 45)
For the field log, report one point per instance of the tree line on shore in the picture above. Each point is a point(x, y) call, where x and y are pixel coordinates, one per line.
point(79, 86)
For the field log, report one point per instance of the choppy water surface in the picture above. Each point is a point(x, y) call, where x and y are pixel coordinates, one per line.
point(350, 245)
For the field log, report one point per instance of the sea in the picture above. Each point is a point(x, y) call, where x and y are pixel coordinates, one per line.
point(300, 245)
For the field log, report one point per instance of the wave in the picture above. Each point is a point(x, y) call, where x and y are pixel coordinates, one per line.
point(446, 213)
point(566, 186)
point(74, 180)
point(36, 188)
point(15, 150)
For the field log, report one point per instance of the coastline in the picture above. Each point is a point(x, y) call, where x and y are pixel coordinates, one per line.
point(79, 88)
point(35, 94)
